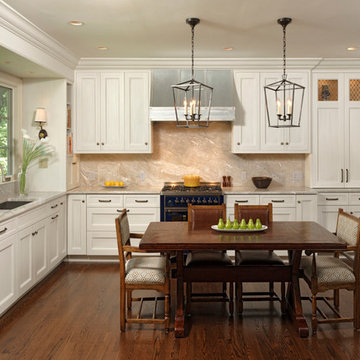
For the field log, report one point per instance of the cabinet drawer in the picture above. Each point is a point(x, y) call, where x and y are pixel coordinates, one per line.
point(102, 243)
point(7, 228)
point(132, 201)
point(231, 200)
point(100, 219)
point(278, 200)
point(105, 201)
point(55, 205)
point(333, 199)
point(32, 216)
point(354, 199)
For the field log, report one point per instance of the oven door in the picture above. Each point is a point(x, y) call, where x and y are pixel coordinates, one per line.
point(175, 215)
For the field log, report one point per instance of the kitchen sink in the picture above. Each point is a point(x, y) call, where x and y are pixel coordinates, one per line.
point(12, 204)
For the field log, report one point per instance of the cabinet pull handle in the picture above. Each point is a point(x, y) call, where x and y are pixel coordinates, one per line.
point(238, 143)
point(74, 163)
point(146, 143)
point(277, 201)
point(351, 213)
point(54, 217)
point(299, 202)
point(61, 203)
point(342, 175)
point(34, 233)
point(120, 210)
point(332, 199)
point(141, 201)
point(82, 201)
point(54, 206)
point(347, 175)
point(281, 143)
point(286, 143)
point(97, 143)
point(241, 201)
point(3, 230)
point(102, 143)
point(104, 201)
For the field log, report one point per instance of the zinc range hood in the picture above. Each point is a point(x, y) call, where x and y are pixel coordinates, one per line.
point(162, 103)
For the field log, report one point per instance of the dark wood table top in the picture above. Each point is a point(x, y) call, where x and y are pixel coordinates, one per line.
point(281, 235)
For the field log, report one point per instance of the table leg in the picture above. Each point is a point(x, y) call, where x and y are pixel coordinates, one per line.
point(179, 316)
point(294, 296)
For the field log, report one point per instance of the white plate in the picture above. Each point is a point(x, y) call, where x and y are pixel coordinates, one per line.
point(215, 227)
point(114, 186)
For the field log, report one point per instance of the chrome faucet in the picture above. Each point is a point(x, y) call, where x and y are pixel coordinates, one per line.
point(2, 173)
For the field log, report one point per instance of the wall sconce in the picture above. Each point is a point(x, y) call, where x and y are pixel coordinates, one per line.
point(40, 117)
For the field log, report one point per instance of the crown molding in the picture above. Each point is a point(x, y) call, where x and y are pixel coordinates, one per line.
point(24, 38)
point(337, 64)
point(200, 63)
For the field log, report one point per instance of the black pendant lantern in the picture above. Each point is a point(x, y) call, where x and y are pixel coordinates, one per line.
point(192, 99)
point(284, 99)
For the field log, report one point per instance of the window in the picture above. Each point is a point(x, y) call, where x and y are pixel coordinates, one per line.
point(6, 129)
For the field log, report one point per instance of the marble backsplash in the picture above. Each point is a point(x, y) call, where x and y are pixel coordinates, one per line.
point(180, 151)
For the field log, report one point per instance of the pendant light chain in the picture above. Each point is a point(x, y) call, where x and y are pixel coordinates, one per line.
point(192, 51)
point(284, 52)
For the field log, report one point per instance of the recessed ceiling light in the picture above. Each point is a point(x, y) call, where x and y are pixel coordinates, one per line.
point(352, 48)
point(228, 48)
point(102, 48)
point(76, 23)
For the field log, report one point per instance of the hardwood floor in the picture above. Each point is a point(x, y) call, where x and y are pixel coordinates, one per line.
point(74, 314)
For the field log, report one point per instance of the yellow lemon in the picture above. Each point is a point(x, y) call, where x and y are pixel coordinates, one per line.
point(107, 183)
point(112, 183)
point(121, 183)
point(117, 183)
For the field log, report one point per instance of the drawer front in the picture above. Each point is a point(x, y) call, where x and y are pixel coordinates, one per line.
point(278, 200)
point(102, 243)
point(100, 219)
point(7, 228)
point(139, 219)
point(55, 205)
point(231, 200)
point(132, 201)
point(354, 199)
point(105, 201)
point(333, 199)
point(33, 216)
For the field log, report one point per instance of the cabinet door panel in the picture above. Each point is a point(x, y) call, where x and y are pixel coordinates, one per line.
point(25, 260)
point(112, 112)
point(140, 218)
point(8, 288)
point(306, 207)
point(87, 112)
point(52, 234)
point(329, 152)
point(102, 243)
point(352, 147)
point(77, 224)
point(137, 123)
point(284, 214)
point(39, 243)
point(245, 131)
point(327, 216)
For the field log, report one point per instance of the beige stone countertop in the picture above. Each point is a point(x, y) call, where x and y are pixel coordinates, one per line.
point(278, 190)
point(131, 189)
point(36, 198)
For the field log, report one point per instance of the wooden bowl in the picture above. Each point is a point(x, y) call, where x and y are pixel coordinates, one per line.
point(261, 182)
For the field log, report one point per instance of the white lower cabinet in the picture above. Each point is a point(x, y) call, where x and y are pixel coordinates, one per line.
point(306, 207)
point(31, 245)
point(91, 220)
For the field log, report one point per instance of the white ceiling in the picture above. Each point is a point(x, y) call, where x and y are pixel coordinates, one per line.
point(156, 28)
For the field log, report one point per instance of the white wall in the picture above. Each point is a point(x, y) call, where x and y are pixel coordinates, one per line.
point(50, 94)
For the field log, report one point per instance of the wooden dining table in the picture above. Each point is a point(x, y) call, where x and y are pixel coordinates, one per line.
point(280, 235)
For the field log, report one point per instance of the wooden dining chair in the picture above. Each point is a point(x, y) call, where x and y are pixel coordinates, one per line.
point(202, 217)
point(257, 260)
point(140, 273)
point(323, 273)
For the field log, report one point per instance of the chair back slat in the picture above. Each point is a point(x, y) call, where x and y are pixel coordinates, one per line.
point(262, 212)
point(347, 228)
point(122, 234)
point(203, 216)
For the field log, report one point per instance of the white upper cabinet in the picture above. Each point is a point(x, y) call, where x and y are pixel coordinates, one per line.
point(112, 112)
point(251, 132)
point(336, 125)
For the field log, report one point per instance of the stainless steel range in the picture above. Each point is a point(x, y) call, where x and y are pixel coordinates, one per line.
point(175, 198)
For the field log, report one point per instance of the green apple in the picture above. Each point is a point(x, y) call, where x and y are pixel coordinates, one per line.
point(221, 224)
point(258, 224)
point(228, 224)
point(243, 225)
point(236, 224)
point(251, 225)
